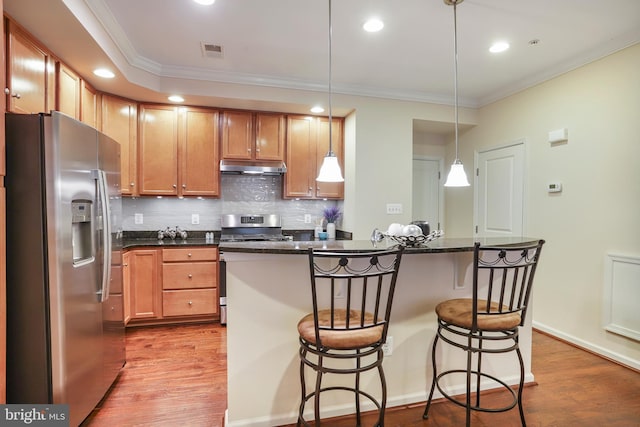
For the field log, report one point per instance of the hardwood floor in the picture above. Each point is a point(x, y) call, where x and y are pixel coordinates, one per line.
point(176, 376)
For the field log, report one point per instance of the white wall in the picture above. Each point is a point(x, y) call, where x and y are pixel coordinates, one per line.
point(599, 168)
point(378, 158)
point(598, 210)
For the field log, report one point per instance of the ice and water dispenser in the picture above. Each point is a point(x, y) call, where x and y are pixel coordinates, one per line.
point(82, 231)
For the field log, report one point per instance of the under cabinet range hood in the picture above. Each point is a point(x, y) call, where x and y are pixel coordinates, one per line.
point(252, 167)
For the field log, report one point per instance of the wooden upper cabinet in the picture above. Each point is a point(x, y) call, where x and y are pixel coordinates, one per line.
point(68, 85)
point(237, 135)
point(119, 120)
point(27, 79)
point(270, 136)
point(198, 152)
point(158, 150)
point(178, 151)
point(307, 145)
point(329, 190)
point(88, 104)
point(253, 136)
point(298, 182)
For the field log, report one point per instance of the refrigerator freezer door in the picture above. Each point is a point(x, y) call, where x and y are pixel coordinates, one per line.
point(71, 156)
point(112, 307)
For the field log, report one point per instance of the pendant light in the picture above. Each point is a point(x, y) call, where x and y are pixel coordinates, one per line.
point(457, 177)
point(330, 169)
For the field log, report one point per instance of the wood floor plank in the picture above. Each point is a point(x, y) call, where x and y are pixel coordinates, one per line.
point(176, 376)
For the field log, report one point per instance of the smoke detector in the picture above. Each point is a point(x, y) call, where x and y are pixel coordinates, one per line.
point(211, 50)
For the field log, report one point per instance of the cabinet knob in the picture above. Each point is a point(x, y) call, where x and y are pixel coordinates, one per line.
point(184, 185)
point(8, 92)
point(175, 186)
point(190, 276)
point(131, 184)
point(190, 302)
point(189, 255)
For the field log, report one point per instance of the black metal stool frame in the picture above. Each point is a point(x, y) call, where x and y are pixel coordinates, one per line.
point(370, 280)
point(509, 281)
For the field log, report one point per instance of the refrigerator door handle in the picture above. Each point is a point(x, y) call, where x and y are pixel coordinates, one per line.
point(103, 195)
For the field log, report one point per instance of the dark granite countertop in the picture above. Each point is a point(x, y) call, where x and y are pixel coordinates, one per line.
point(441, 245)
point(134, 239)
point(301, 243)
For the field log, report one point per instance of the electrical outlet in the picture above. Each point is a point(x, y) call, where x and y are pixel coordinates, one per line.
point(387, 347)
point(195, 219)
point(307, 218)
point(138, 218)
point(394, 208)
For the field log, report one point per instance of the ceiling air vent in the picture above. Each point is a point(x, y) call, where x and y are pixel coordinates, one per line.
point(211, 50)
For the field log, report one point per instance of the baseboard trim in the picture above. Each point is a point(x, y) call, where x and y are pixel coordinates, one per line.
point(588, 346)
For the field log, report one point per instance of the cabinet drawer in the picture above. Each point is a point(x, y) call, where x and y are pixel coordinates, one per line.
point(189, 254)
point(185, 275)
point(189, 302)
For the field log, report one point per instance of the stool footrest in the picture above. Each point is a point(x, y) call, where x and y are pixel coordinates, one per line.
point(474, 374)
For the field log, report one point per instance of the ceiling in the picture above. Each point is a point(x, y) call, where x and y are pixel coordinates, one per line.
point(275, 52)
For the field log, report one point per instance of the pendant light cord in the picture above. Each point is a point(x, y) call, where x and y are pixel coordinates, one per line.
point(330, 101)
point(455, 71)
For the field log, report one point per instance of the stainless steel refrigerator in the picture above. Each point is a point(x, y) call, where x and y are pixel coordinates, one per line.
point(65, 325)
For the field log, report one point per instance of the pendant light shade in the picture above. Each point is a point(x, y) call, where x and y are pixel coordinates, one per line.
point(457, 177)
point(330, 169)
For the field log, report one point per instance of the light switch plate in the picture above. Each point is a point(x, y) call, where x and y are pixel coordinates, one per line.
point(195, 219)
point(138, 218)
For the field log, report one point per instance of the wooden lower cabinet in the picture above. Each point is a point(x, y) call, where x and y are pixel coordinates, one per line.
point(143, 286)
point(183, 286)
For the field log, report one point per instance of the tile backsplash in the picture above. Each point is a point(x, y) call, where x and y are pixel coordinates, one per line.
point(240, 194)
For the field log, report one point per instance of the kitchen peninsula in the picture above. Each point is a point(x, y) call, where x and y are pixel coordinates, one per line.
point(268, 291)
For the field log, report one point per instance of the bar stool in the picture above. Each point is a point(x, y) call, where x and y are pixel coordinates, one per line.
point(352, 294)
point(488, 323)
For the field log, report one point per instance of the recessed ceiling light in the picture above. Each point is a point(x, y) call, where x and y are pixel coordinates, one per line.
point(373, 25)
point(499, 47)
point(205, 2)
point(103, 72)
point(176, 98)
point(317, 109)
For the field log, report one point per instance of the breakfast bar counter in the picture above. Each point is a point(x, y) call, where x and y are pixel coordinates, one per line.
point(268, 292)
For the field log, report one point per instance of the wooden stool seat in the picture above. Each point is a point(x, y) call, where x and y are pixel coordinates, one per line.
point(339, 337)
point(459, 312)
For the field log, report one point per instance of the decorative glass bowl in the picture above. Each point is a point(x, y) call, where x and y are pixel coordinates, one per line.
point(415, 240)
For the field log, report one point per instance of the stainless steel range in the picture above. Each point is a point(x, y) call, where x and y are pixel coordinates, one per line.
point(247, 227)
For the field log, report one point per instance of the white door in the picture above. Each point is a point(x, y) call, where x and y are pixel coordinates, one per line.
point(500, 187)
point(426, 191)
